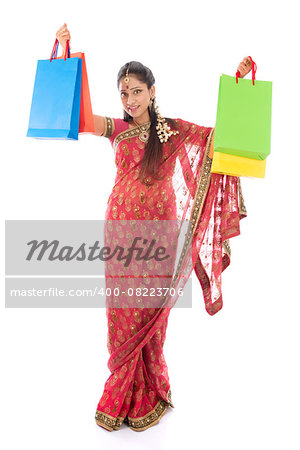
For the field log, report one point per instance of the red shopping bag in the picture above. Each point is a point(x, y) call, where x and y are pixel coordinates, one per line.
point(86, 120)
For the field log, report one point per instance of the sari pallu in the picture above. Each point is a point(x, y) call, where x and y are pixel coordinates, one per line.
point(138, 390)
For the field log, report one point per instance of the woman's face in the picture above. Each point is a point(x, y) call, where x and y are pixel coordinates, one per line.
point(136, 97)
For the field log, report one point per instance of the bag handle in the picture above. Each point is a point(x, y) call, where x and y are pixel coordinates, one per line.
point(253, 68)
point(55, 48)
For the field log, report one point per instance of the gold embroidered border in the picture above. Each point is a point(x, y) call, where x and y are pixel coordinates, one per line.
point(132, 132)
point(242, 207)
point(142, 423)
point(149, 419)
point(106, 421)
point(170, 398)
point(109, 127)
point(226, 247)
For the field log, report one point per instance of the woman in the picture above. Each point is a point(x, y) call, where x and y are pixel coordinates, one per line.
point(163, 177)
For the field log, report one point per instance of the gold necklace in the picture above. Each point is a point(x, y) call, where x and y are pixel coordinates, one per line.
point(144, 134)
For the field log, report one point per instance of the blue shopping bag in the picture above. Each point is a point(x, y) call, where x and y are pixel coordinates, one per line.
point(55, 107)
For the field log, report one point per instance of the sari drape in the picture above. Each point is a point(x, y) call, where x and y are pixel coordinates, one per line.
point(210, 206)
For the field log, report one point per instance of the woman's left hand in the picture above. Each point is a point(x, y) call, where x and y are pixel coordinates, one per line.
point(243, 67)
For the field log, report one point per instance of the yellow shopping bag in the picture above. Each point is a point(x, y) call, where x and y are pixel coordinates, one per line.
point(238, 166)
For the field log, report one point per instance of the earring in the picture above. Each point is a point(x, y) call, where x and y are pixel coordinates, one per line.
point(154, 101)
point(150, 103)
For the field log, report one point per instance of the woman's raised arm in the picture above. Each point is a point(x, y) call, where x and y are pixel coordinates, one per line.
point(63, 35)
point(99, 125)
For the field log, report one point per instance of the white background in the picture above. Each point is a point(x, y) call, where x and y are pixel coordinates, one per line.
point(234, 376)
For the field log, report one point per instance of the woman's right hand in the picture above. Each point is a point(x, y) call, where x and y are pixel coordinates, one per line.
point(63, 35)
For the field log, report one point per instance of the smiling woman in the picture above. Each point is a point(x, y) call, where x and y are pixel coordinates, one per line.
point(136, 98)
point(163, 178)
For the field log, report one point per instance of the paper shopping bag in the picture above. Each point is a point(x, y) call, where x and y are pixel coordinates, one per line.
point(238, 166)
point(243, 123)
point(55, 106)
point(86, 119)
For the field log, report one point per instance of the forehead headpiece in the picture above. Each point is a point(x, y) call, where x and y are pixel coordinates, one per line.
point(126, 79)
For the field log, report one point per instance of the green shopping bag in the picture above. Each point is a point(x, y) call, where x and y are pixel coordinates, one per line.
point(243, 124)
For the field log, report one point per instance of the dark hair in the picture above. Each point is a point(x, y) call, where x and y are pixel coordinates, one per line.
point(154, 148)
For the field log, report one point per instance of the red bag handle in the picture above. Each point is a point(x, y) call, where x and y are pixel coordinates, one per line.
point(253, 68)
point(55, 48)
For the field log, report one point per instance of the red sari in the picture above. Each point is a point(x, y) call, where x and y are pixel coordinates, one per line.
point(138, 388)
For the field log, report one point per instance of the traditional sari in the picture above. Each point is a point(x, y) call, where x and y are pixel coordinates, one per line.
point(137, 391)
